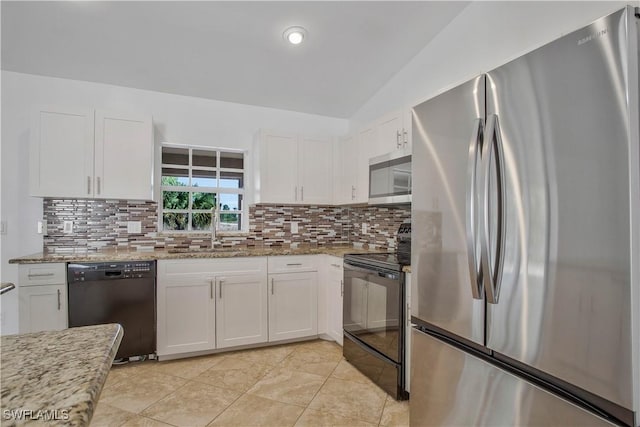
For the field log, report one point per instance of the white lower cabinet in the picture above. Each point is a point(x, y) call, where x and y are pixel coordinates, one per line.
point(204, 304)
point(42, 295)
point(335, 291)
point(241, 310)
point(208, 304)
point(43, 308)
point(186, 313)
point(293, 305)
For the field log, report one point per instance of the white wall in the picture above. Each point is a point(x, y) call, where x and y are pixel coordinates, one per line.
point(177, 119)
point(483, 36)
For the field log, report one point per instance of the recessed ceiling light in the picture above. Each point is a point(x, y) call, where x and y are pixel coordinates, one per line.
point(294, 35)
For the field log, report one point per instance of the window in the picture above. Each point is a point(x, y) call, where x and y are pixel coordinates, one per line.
point(194, 181)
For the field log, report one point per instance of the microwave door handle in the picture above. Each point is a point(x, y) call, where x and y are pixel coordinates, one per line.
point(471, 210)
point(492, 146)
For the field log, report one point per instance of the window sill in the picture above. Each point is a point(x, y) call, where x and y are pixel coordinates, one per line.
point(199, 234)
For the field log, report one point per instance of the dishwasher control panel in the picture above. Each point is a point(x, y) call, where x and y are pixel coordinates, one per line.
point(110, 271)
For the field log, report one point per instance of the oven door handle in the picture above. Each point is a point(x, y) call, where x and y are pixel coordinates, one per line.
point(382, 273)
point(391, 276)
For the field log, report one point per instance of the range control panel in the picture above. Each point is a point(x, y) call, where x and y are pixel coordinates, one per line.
point(404, 243)
point(110, 271)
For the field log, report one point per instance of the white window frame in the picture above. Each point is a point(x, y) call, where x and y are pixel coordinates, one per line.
point(218, 190)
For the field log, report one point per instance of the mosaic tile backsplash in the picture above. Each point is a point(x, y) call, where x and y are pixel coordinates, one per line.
point(102, 225)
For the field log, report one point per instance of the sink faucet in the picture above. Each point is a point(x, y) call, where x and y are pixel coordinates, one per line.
point(214, 222)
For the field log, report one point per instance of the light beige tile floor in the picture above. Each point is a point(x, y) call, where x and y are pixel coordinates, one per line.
point(301, 384)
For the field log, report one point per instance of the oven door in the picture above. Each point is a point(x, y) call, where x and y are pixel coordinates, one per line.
point(372, 308)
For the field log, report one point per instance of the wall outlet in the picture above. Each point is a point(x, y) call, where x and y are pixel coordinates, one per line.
point(67, 227)
point(365, 227)
point(42, 227)
point(294, 228)
point(134, 227)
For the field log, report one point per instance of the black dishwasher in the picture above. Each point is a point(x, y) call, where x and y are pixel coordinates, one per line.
point(123, 293)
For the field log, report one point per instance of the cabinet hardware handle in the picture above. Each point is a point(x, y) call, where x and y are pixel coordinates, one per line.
point(6, 287)
point(353, 192)
point(296, 193)
point(295, 263)
point(40, 275)
point(220, 282)
point(302, 193)
point(272, 286)
point(335, 265)
point(406, 136)
point(398, 135)
point(341, 288)
point(59, 302)
point(88, 185)
point(211, 289)
point(98, 184)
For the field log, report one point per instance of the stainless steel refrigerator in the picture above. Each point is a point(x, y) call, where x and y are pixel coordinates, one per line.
point(526, 250)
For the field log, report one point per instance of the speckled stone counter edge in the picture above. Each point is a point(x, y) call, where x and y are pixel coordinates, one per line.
point(129, 255)
point(61, 371)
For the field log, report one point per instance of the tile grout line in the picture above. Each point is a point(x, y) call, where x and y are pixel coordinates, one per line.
point(245, 392)
point(386, 400)
point(316, 393)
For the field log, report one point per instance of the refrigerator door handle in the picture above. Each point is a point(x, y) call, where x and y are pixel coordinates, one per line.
point(493, 273)
point(471, 208)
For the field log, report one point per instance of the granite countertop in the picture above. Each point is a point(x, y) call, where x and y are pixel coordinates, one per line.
point(55, 377)
point(131, 255)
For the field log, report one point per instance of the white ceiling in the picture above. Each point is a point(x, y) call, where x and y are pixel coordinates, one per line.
point(229, 51)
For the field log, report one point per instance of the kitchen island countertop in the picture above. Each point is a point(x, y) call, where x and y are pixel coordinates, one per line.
point(55, 377)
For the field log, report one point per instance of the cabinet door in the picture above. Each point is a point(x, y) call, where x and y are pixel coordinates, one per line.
point(123, 156)
point(315, 170)
point(350, 166)
point(363, 148)
point(241, 310)
point(61, 152)
point(407, 120)
point(334, 299)
point(43, 308)
point(279, 168)
point(293, 306)
point(339, 185)
point(390, 135)
point(186, 314)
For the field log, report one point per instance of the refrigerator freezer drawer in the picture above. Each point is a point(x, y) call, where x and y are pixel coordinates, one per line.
point(450, 387)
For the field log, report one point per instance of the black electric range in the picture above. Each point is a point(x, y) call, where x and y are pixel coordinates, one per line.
point(374, 316)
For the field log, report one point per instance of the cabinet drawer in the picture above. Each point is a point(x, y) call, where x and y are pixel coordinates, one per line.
point(288, 264)
point(42, 274)
point(242, 265)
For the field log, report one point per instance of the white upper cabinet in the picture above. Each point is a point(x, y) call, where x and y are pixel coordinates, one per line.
point(393, 132)
point(123, 156)
point(293, 169)
point(359, 154)
point(278, 177)
point(315, 170)
point(390, 133)
point(351, 169)
point(61, 152)
point(341, 176)
point(83, 153)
